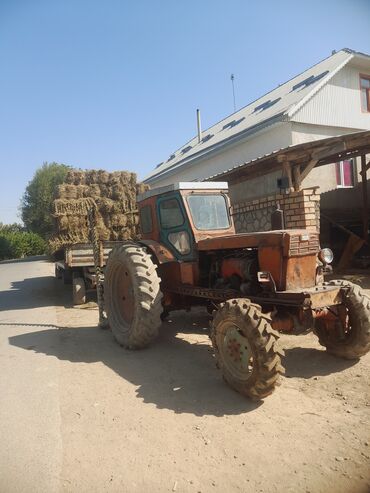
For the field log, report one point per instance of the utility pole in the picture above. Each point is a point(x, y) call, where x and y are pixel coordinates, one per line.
point(232, 83)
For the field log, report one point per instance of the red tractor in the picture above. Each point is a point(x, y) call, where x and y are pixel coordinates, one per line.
point(255, 284)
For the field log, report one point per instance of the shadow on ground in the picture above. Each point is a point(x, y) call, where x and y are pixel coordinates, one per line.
point(35, 292)
point(174, 373)
point(305, 362)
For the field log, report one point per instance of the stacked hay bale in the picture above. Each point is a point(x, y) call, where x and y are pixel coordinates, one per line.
point(114, 195)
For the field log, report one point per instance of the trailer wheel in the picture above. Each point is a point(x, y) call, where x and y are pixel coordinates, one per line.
point(245, 348)
point(67, 276)
point(353, 340)
point(133, 299)
point(79, 291)
point(57, 271)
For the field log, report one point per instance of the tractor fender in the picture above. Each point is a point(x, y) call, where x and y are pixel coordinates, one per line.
point(161, 253)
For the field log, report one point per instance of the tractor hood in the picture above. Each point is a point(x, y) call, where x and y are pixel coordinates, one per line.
point(285, 239)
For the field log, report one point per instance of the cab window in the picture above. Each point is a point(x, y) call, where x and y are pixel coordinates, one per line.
point(170, 214)
point(146, 219)
point(209, 211)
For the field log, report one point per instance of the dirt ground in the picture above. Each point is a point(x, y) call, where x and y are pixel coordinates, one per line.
point(81, 414)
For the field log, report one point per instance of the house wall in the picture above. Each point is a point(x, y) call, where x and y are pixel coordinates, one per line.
point(268, 140)
point(338, 103)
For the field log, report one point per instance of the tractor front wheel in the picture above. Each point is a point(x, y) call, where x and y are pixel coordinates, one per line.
point(350, 339)
point(245, 348)
point(133, 299)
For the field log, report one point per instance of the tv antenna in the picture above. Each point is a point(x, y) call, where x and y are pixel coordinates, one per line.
point(232, 83)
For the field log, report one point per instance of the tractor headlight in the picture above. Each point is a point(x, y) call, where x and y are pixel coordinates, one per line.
point(326, 256)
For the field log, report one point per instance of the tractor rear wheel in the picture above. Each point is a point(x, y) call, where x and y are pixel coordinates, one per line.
point(245, 348)
point(133, 299)
point(353, 340)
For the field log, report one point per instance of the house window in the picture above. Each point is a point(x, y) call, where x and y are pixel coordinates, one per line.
point(344, 173)
point(365, 92)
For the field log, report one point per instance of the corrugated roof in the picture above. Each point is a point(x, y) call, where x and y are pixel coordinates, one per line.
point(354, 144)
point(279, 104)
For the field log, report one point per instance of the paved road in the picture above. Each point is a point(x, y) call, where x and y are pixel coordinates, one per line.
point(80, 414)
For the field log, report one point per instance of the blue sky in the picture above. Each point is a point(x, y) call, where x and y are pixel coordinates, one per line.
point(115, 84)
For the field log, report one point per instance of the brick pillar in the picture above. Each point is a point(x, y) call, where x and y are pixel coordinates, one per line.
point(301, 210)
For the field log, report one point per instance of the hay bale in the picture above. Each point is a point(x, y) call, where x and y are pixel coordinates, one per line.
point(62, 207)
point(75, 177)
point(113, 195)
point(66, 191)
point(93, 191)
point(141, 188)
point(103, 177)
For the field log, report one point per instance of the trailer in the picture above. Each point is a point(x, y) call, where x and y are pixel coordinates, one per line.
point(76, 266)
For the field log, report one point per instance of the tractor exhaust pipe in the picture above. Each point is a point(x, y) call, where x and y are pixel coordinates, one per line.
point(277, 218)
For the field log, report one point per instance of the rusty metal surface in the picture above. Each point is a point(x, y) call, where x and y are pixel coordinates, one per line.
point(270, 259)
point(326, 296)
point(299, 272)
point(154, 234)
point(200, 292)
point(251, 240)
point(162, 254)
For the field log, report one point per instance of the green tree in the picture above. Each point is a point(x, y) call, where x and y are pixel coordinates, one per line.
point(37, 199)
point(18, 244)
point(11, 228)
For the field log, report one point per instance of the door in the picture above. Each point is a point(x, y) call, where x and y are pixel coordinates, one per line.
point(175, 232)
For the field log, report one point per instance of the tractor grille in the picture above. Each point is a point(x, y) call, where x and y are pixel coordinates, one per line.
point(303, 244)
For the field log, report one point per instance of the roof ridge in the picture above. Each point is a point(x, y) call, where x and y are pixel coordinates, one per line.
point(299, 105)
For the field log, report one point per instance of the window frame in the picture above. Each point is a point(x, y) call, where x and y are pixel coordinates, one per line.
point(341, 173)
point(367, 89)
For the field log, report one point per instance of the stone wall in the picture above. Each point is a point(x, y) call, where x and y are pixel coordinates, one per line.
point(301, 210)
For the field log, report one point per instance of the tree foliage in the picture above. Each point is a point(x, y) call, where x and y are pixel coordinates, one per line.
point(18, 244)
point(11, 228)
point(38, 197)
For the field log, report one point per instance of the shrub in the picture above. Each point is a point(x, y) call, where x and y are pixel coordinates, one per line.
point(18, 244)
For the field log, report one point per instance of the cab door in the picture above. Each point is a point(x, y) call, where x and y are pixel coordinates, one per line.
point(175, 231)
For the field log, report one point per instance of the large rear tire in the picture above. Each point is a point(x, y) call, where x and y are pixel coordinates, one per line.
point(133, 299)
point(352, 341)
point(245, 348)
point(79, 291)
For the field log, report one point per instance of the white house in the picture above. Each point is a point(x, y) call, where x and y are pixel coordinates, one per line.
point(329, 99)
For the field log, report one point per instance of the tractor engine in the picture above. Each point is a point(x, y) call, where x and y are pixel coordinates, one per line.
point(236, 270)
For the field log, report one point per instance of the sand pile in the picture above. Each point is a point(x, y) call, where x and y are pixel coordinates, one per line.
point(115, 197)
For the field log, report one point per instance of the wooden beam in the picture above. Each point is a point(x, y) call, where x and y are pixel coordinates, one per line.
point(334, 158)
point(287, 171)
point(309, 167)
point(297, 179)
point(328, 150)
point(363, 172)
point(365, 202)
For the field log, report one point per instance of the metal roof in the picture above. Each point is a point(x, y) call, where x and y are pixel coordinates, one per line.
point(279, 104)
point(184, 185)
